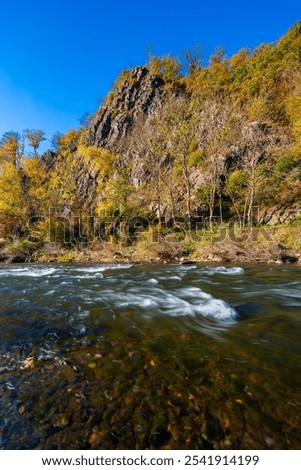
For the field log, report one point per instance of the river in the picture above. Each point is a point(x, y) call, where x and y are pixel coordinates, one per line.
point(150, 357)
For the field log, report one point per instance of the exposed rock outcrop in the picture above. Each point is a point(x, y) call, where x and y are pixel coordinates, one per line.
point(126, 124)
point(20, 258)
point(138, 96)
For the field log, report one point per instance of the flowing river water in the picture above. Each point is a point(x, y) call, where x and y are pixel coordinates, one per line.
point(150, 357)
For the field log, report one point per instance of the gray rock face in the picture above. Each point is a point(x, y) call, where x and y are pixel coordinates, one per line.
point(137, 97)
point(86, 181)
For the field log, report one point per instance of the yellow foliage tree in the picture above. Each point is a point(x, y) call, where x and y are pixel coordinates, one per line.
point(13, 213)
point(99, 159)
point(11, 148)
point(38, 194)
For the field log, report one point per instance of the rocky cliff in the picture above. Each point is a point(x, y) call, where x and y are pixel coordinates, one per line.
point(217, 138)
point(137, 97)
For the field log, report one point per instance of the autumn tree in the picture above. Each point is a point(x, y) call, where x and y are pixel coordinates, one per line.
point(217, 129)
point(55, 140)
point(194, 60)
point(11, 148)
point(169, 69)
point(12, 204)
point(111, 179)
point(179, 126)
point(34, 137)
point(63, 178)
point(37, 196)
point(235, 188)
point(256, 139)
point(149, 145)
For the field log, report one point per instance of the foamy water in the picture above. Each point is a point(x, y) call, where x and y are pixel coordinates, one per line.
point(120, 286)
point(45, 303)
point(41, 304)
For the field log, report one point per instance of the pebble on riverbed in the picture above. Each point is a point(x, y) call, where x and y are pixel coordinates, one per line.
point(29, 362)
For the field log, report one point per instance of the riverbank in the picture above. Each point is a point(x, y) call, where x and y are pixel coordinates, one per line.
point(275, 246)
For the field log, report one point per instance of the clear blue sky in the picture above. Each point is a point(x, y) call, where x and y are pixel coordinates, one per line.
point(58, 58)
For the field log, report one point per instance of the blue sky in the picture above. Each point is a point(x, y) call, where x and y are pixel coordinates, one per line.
point(58, 58)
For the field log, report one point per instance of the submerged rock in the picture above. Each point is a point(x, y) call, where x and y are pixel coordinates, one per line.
point(245, 311)
point(29, 362)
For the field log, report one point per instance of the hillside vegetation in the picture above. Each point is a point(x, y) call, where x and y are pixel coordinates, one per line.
point(170, 163)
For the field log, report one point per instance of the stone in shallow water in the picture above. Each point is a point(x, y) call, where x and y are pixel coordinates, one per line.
point(245, 311)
